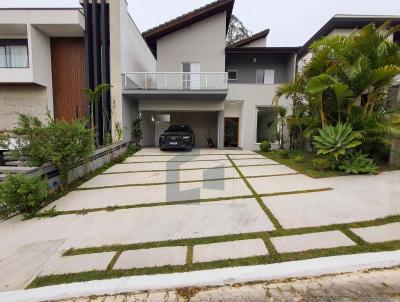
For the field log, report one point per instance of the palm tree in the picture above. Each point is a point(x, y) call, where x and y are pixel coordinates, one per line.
point(93, 96)
point(348, 80)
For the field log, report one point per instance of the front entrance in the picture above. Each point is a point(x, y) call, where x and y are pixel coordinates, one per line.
point(231, 138)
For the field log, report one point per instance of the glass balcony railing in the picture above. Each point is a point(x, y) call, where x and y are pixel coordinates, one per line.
point(176, 81)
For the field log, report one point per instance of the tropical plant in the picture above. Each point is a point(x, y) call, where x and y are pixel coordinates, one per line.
point(358, 163)
point(137, 131)
point(265, 146)
point(336, 140)
point(93, 96)
point(347, 80)
point(22, 193)
point(299, 158)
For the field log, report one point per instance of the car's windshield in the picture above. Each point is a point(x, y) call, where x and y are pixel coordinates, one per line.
point(179, 128)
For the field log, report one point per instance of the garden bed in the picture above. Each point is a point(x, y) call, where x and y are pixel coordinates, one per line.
point(306, 167)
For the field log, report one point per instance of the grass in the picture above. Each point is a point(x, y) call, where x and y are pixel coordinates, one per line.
point(304, 167)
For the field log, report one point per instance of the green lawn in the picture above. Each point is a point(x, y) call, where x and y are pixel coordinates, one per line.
point(304, 167)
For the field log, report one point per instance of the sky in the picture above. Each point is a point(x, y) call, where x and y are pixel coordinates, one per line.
point(292, 22)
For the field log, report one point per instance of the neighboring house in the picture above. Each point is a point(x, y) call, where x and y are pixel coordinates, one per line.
point(180, 72)
point(47, 57)
point(345, 25)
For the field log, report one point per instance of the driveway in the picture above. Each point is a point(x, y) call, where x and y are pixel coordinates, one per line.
point(160, 212)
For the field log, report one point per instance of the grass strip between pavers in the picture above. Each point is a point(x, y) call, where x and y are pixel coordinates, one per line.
point(182, 181)
point(170, 203)
point(177, 161)
point(267, 211)
point(258, 260)
point(186, 169)
point(345, 228)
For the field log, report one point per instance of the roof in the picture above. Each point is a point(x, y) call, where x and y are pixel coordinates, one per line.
point(346, 22)
point(152, 35)
point(262, 49)
point(252, 38)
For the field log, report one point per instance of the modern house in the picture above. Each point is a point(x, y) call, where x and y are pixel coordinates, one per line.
point(180, 72)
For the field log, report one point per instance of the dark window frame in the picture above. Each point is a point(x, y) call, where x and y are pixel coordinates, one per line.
point(15, 42)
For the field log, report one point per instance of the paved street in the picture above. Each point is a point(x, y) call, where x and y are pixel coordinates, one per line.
point(372, 286)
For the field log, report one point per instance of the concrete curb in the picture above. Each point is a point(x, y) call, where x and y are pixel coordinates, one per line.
point(303, 268)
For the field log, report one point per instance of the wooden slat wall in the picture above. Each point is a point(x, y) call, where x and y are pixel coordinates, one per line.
point(68, 70)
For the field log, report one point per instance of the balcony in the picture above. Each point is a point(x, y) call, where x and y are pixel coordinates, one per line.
point(182, 85)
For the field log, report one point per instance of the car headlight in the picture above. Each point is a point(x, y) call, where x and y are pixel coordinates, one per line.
point(162, 138)
point(186, 137)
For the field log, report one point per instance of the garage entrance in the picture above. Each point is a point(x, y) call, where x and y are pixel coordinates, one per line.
point(203, 124)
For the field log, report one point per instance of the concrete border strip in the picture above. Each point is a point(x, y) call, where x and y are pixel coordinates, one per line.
point(232, 275)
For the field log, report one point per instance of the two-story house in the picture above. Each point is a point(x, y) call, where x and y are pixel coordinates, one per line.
point(224, 93)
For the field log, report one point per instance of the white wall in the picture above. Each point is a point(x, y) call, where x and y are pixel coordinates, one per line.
point(203, 42)
point(258, 43)
point(181, 105)
point(41, 63)
point(128, 53)
point(252, 95)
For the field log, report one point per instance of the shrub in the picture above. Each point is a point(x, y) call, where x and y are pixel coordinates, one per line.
point(70, 143)
point(321, 164)
point(358, 163)
point(335, 140)
point(265, 146)
point(31, 136)
point(137, 131)
point(22, 193)
point(283, 153)
point(299, 158)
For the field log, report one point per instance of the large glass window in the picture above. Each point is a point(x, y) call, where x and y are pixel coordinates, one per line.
point(13, 54)
point(267, 124)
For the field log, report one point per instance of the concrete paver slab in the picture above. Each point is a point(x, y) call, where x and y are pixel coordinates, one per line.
point(134, 178)
point(157, 166)
point(346, 203)
point(175, 255)
point(304, 242)
point(286, 183)
point(381, 233)
point(19, 268)
point(229, 250)
point(60, 265)
point(150, 224)
point(136, 195)
point(180, 158)
point(266, 170)
point(254, 162)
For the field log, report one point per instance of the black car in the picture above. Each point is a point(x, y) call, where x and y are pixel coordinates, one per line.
point(177, 137)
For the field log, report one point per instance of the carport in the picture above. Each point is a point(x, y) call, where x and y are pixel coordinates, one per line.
point(203, 123)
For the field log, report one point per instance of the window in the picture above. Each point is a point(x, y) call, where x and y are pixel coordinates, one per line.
point(13, 54)
point(232, 74)
point(191, 76)
point(265, 76)
point(266, 124)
